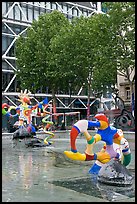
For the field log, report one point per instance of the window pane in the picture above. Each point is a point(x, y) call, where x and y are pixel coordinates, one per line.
point(54, 6)
point(85, 13)
point(3, 8)
point(36, 14)
point(70, 11)
point(48, 5)
point(17, 13)
point(65, 8)
point(10, 14)
point(36, 3)
point(25, 13)
point(42, 4)
point(127, 93)
point(75, 12)
point(30, 14)
point(4, 44)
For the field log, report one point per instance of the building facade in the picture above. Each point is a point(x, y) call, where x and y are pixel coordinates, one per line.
point(124, 88)
point(17, 17)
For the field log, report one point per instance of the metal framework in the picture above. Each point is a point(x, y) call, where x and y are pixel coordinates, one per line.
point(19, 14)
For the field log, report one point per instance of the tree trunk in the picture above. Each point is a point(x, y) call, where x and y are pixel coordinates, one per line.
point(88, 101)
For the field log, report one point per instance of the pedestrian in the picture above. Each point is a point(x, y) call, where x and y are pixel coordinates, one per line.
point(62, 125)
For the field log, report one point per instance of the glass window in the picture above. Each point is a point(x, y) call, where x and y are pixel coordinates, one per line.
point(60, 7)
point(30, 18)
point(13, 62)
point(75, 12)
point(30, 3)
point(4, 65)
point(93, 5)
point(128, 94)
point(65, 9)
point(48, 5)
point(11, 52)
point(42, 4)
point(85, 13)
point(5, 29)
point(4, 81)
point(79, 13)
point(16, 28)
point(25, 14)
point(36, 14)
point(70, 11)
point(17, 13)
point(4, 44)
point(42, 10)
point(3, 8)
point(36, 3)
point(10, 15)
point(53, 6)
point(6, 78)
point(13, 84)
point(8, 42)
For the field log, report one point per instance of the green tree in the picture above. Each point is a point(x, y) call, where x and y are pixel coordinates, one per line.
point(122, 18)
point(71, 51)
point(105, 65)
point(95, 47)
point(83, 54)
point(74, 51)
point(121, 26)
point(34, 69)
point(32, 52)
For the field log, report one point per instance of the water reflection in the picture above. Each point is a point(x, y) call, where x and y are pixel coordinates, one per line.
point(23, 168)
point(28, 174)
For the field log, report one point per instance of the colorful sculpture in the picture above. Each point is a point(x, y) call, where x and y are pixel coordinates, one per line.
point(40, 142)
point(25, 110)
point(106, 133)
point(50, 134)
point(8, 111)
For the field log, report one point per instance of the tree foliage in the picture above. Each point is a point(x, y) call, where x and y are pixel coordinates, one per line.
point(122, 19)
point(34, 70)
point(85, 50)
point(58, 53)
point(73, 51)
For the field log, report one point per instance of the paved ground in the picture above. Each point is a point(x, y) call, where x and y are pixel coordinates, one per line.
point(46, 175)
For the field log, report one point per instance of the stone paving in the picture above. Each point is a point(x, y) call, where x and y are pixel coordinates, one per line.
point(46, 175)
